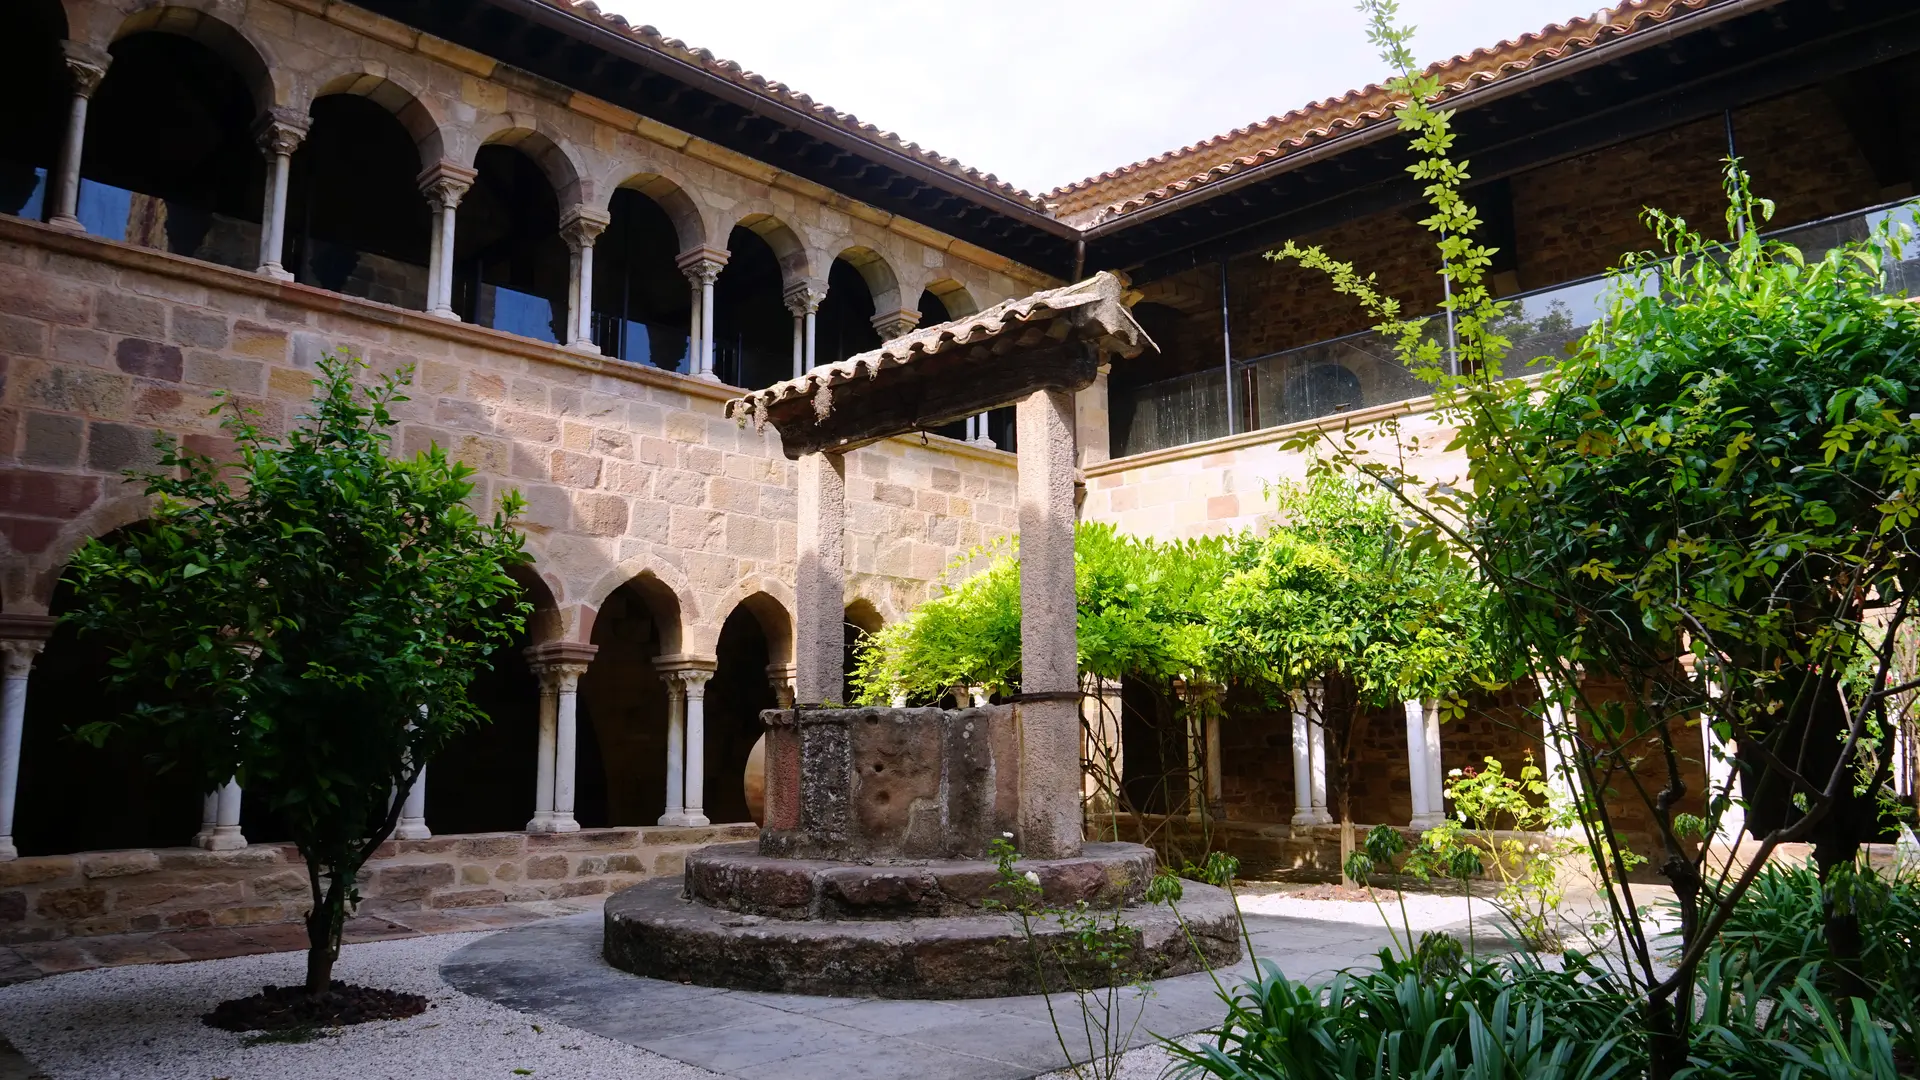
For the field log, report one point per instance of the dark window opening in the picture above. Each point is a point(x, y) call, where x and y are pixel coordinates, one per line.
point(844, 326)
point(510, 265)
point(356, 221)
point(170, 160)
point(642, 303)
point(34, 84)
point(623, 717)
point(752, 328)
point(739, 691)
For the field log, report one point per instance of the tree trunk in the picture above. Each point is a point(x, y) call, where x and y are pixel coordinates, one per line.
point(1666, 1046)
point(323, 930)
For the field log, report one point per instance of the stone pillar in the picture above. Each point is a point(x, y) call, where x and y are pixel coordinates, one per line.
point(220, 819)
point(1049, 705)
point(897, 323)
point(780, 677)
point(559, 665)
point(542, 820)
point(702, 266)
point(695, 681)
point(280, 133)
point(803, 300)
point(580, 226)
point(978, 432)
point(86, 66)
point(444, 184)
point(413, 813)
point(820, 580)
point(1423, 764)
point(21, 639)
point(1309, 759)
point(684, 795)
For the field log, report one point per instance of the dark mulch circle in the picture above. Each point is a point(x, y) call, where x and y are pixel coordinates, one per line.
point(291, 1008)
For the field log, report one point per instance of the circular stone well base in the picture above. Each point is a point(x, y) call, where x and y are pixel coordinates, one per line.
point(653, 930)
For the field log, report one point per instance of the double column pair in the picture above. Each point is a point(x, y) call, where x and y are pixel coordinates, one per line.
point(686, 678)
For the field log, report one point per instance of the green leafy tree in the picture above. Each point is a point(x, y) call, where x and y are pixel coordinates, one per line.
point(308, 619)
point(1710, 501)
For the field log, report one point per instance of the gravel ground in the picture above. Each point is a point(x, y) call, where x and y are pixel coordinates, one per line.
point(143, 1023)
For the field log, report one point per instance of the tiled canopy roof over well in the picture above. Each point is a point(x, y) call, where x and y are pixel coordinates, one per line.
point(1052, 339)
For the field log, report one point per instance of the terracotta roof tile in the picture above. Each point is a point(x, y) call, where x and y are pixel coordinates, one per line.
point(1144, 183)
point(786, 95)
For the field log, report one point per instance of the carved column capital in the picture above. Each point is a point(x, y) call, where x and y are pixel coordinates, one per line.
point(559, 664)
point(804, 297)
point(86, 66)
point(17, 655)
point(445, 183)
point(702, 265)
point(580, 226)
point(897, 323)
point(21, 639)
point(280, 132)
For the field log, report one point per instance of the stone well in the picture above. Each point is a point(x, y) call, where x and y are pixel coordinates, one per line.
point(873, 874)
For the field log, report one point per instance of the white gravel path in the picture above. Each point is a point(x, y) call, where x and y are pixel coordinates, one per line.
point(143, 1023)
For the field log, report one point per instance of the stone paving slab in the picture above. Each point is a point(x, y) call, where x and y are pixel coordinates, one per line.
point(555, 969)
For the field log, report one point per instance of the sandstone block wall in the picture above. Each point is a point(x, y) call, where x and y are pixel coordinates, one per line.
point(626, 470)
point(116, 892)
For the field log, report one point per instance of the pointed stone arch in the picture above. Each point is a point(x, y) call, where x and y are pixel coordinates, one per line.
point(662, 585)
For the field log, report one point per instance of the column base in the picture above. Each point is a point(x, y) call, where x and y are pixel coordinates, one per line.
point(224, 838)
point(987, 443)
point(274, 271)
point(587, 347)
point(564, 823)
point(676, 819)
point(414, 829)
point(543, 822)
point(445, 313)
point(1423, 822)
point(7, 851)
point(1313, 817)
point(696, 817)
point(708, 376)
point(67, 223)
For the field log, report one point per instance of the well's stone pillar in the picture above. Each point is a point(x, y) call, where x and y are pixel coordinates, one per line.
point(280, 133)
point(21, 639)
point(86, 66)
point(444, 184)
point(580, 226)
point(1049, 712)
point(559, 664)
point(820, 580)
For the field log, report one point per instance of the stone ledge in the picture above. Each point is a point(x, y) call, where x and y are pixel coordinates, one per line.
point(738, 878)
point(651, 930)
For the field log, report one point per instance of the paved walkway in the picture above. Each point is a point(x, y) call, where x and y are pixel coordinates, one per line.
point(554, 969)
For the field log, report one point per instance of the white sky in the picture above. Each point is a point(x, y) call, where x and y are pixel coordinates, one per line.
point(1042, 94)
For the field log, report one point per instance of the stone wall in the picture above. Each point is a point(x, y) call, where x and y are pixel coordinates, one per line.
point(116, 892)
point(627, 470)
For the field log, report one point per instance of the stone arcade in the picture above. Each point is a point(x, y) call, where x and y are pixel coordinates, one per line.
point(872, 869)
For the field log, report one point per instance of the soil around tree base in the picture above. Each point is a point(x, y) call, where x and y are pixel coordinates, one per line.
point(291, 1008)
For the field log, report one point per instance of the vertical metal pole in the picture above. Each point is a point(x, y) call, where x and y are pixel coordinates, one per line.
point(1226, 343)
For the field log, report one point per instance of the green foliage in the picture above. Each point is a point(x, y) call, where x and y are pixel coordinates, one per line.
point(1334, 590)
point(1531, 872)
point(1139, 614)
point(307, 619)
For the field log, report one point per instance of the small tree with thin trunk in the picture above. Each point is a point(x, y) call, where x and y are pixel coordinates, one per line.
point(306, 618)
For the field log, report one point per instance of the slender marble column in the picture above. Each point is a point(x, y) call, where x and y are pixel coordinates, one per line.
point(676, 750)
point(543, 760)
point(564, 745)
point(696, 690)
point(702, 266)
point(444, 184)
point(280, 133)
point(1429, 807)
point(1555, 734)
point(580, 226)
point(86, 66)
point(803, 300)
point(413, 813)
point(1309, 759)
point(1436, 774)
point(16, 660)
point(1721, 777)
point(1317, 741)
